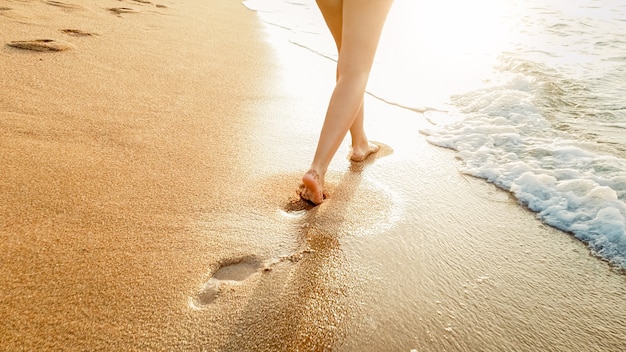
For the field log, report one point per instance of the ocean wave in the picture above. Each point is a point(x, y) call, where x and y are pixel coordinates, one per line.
point(503, 137)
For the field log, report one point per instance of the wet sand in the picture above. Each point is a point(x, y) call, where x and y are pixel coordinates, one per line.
point(150, 156)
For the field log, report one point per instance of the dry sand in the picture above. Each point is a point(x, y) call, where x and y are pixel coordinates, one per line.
point(150, 153)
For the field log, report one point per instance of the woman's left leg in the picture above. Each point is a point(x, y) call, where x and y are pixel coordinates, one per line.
point(332, 10)
point(362, 25)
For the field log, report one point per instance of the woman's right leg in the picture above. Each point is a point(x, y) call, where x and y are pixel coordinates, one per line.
point(332, 10)
point(361, 23)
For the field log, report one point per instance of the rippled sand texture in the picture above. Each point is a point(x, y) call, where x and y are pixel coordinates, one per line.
point(148, 202)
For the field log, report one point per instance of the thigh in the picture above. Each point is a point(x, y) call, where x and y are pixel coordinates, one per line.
point(363, 22)
point(332, 12)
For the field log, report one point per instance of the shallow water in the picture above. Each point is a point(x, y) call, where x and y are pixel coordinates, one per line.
point(531, 95)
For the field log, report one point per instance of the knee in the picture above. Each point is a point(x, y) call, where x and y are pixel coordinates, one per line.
point(353, 68)
point(352, 77)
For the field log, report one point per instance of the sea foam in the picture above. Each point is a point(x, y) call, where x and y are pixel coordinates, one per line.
point(504, 138)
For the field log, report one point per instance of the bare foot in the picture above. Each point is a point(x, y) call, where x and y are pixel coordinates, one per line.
point(312, 191)
point(358, 154)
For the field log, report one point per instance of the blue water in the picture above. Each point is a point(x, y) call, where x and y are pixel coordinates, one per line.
point(531, 94)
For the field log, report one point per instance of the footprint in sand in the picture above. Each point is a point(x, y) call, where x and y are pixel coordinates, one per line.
point(149, 3)
point(146, 2)
point(120, 10)
point(63, 5)
point(40, 45)
point(77, 33)
point(230, 272)
point(235, 271)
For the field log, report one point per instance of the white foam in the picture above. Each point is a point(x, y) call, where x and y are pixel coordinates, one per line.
point(502, 137)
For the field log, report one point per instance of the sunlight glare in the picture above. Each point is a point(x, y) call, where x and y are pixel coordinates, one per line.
point(447, 44)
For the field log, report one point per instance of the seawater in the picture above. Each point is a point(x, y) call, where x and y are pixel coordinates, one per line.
point(531, 94)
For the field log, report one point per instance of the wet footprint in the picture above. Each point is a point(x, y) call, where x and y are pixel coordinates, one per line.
point(40, 45)
point(77, 33)
point(232, 272)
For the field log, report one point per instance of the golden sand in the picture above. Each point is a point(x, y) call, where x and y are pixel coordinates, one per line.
point(148, 202)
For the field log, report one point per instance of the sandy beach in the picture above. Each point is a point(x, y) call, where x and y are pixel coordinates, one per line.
point(150, 153)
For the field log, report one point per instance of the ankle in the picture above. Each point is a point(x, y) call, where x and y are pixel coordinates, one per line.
point(321, 172)
point(361, 144)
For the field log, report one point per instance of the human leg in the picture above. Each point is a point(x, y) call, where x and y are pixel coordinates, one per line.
point(332, 11)
point(361, 146)
point(356, 26)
